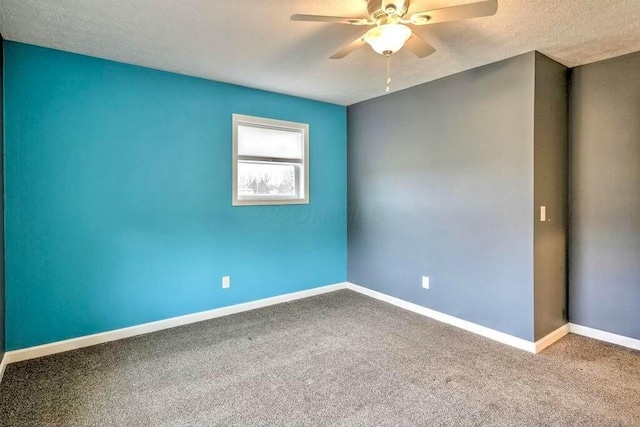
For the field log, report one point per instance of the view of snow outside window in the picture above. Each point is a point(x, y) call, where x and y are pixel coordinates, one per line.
point(266, 179)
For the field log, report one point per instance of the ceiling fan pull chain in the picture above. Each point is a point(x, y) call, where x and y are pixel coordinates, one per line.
point(388, 55)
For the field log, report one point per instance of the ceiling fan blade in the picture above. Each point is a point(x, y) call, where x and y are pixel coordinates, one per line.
point(455, 13)
point(332, 19)
point(356, 44)
point(419, 47)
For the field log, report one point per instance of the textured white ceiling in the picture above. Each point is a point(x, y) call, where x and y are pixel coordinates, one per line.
point(253, 42)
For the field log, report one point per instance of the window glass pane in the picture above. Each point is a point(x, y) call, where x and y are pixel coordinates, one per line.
point(266, 179)
point(265, 142)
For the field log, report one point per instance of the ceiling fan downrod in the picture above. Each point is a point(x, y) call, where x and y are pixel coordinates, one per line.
point(387, 54)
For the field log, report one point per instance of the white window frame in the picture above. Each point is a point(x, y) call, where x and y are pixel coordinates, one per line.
point(302, 172)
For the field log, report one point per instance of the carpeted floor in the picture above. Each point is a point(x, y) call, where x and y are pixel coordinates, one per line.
point(339, 359)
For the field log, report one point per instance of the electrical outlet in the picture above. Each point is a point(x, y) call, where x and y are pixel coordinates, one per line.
point(226, 282)
point(425, 282)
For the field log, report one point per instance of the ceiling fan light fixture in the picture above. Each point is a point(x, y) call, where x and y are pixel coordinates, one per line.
point(387, 38)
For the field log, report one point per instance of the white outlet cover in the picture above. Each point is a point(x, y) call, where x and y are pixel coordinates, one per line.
point(226, 282)
point(425, 282)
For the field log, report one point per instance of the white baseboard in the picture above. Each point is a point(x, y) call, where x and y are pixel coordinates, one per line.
point(604, 336)
point(554, 336)
point(451, 320)
point(3, 365)
point(89, 340)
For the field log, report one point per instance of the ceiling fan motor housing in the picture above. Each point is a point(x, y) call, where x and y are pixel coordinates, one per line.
point(381, 9)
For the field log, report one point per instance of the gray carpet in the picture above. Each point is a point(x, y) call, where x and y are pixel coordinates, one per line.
point(339, 359)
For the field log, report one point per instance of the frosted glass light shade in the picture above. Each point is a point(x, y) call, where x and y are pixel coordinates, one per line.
point(388, 37)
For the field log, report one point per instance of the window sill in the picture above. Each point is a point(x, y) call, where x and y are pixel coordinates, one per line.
point(270, 202)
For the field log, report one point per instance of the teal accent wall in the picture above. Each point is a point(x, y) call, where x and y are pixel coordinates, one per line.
point(118, 198)
point(2, 304)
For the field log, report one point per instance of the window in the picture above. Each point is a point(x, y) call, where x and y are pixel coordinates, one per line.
point(270, 161)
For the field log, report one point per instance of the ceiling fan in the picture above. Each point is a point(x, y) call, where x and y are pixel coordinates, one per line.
point(390, 31)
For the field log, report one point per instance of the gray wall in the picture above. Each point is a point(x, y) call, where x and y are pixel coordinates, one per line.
point(550, 190)
point(440, 183)
point(604, 252)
